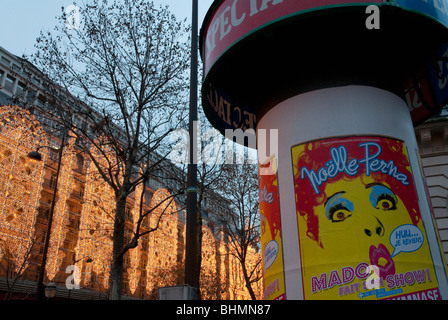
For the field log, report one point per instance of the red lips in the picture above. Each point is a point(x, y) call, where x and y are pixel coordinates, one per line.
point(382, 252)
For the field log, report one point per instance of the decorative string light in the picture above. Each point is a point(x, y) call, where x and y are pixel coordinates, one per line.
point(236, 281)
point(96, 226)
point(223, 253)
point(208, 264)
point(61, 215)
point(20, 181)
point(136, 253)
point(253, 260)
point(163, 242)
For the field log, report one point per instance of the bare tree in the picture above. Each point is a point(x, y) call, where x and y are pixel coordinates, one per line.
point(239, 186)
point(210, 159)
point(12, 269)
point(128, 61)
point(209, 173)
point(230, 194)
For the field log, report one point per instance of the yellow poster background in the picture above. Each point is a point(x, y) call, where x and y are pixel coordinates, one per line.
point(360, 230)
point(271, 235)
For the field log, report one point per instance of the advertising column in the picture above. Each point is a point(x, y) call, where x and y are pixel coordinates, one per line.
point(341, 83)
point(356, 222)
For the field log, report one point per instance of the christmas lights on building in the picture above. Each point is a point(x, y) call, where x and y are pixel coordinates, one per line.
point(23, 191)
point(81, 232)
point(20, 182)
point(162, 249)
point(95, 229)
point(134, 271)
point(60, 216)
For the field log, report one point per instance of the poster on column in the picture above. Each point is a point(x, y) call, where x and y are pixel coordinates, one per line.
point(361, 234)
point(271, 237)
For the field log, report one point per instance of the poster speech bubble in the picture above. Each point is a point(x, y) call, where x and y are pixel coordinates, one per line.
point(270, 253)
point(406, 238)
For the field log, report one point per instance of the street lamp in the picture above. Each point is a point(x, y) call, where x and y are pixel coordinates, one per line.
point(35, 155)
point(50, 290)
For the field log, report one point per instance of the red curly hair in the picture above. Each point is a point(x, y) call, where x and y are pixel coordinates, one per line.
point(317, 153)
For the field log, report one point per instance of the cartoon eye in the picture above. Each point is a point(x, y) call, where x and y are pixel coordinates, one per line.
point(386, 202)
point(339, 213)
point(382, 198)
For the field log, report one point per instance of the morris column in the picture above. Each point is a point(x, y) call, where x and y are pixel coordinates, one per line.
point(333, 90)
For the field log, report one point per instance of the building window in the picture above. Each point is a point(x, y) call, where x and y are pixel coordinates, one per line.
point(9, 83)
point(53, 180)
point(20, 88)
point(15, 67)
point(2, 73)
point(41, 100)
point(30, 96)
point(148, 197)
point(447, 203)
point(5, 61)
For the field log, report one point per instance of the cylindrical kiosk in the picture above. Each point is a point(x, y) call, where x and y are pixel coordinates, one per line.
point(334, 89)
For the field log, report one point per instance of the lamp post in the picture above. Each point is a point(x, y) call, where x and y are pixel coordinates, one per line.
point(191, 267)
point(50, 290)
point(35, 155)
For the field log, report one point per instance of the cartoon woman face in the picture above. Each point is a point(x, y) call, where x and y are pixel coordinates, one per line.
point(356, 221)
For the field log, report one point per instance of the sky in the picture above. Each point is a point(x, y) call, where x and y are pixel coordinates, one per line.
point(22, 20)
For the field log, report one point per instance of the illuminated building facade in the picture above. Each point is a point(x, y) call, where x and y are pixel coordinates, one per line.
point(80, 247)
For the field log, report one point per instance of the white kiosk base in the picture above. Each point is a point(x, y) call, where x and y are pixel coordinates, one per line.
point(355, 221)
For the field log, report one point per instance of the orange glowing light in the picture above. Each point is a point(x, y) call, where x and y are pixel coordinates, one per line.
point(163, 242)
point(136, 253)
point(20, 181)
point(96, 228)
point(60, 215)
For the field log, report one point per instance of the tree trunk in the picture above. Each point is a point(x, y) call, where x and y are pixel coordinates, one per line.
point(248, 283)
point(116, 272)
